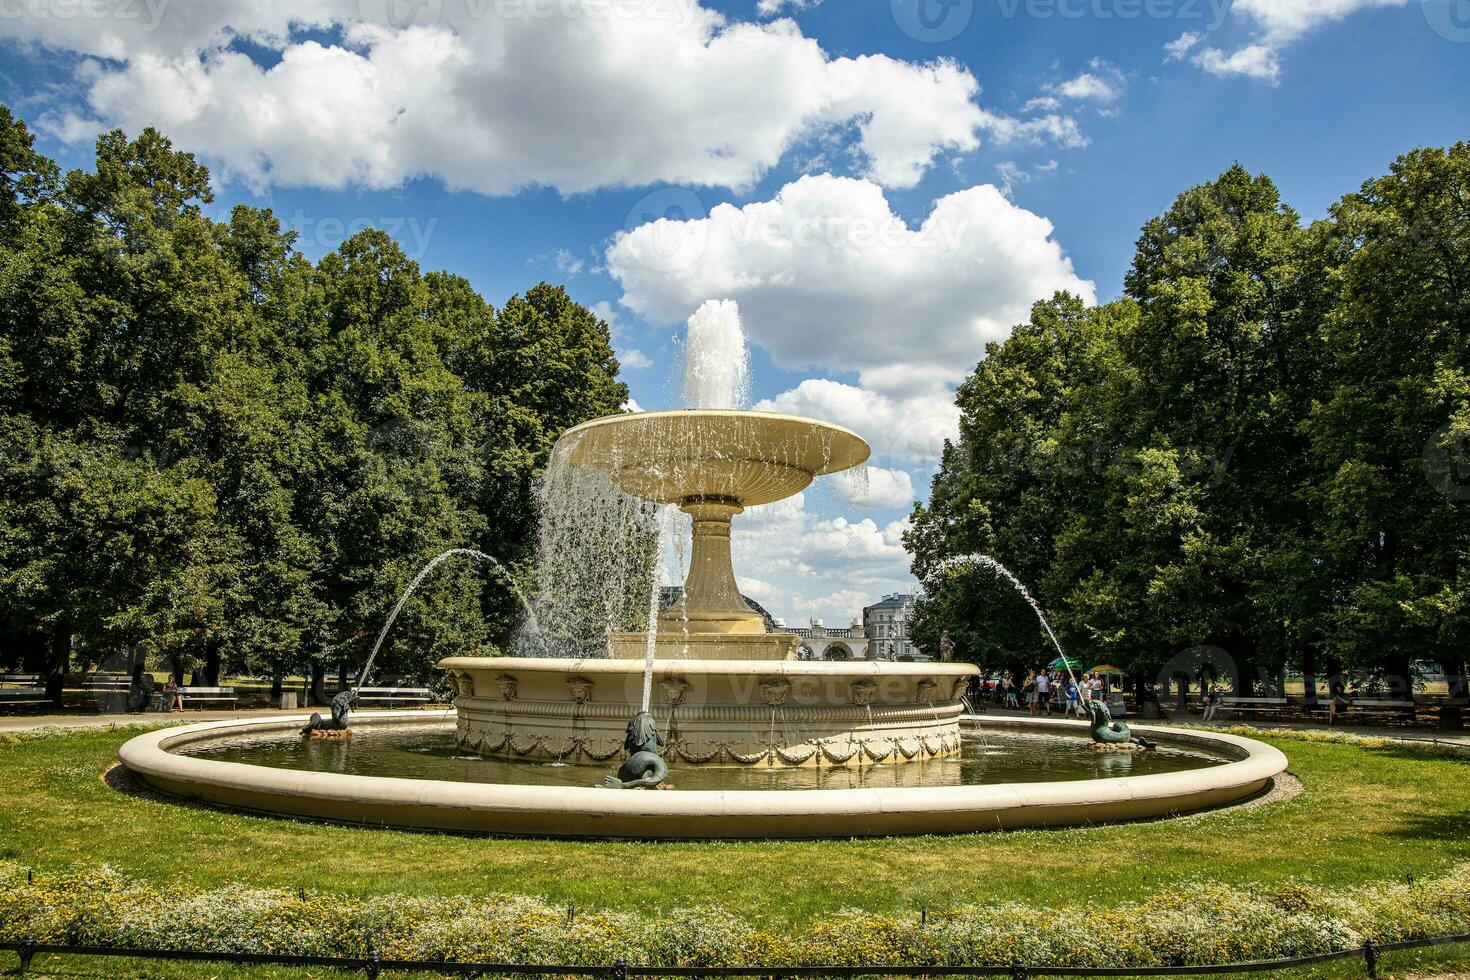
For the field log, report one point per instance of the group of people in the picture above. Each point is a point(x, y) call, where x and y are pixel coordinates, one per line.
point(146, 696)
point(1044, 689)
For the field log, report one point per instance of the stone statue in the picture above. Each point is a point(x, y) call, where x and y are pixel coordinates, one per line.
point(1107, 732)
point(644, 768)
point(342, 705)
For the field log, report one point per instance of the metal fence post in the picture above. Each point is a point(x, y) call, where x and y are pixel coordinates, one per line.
point(374, 964)
point(1370, 957)
point(25, 953)
point(1018, 970)
point(620, 970)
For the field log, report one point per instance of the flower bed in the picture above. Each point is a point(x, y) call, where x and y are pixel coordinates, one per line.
point(1199, 922)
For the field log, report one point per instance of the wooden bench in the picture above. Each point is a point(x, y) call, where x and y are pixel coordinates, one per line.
point(23, 697)
point(1255, 706)
point(110, 691)
point(394, 697)
point(1402, 709)
point(208, 697)
point(21, 680)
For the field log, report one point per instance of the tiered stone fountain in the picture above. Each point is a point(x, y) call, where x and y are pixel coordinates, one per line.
point(726, 692)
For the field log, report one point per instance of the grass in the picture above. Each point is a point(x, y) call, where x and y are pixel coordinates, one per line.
point(1371, 811)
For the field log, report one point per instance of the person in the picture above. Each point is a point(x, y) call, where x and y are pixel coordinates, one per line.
point(1336, 698)
point(1085, 689)
point(1030, 691)
point(1072, 697)
point(172, 696)
point(1043, 691)
point(1212, 705)
point(1095, 685)
point(1012, 700)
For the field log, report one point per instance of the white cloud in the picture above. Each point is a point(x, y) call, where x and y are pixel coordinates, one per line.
point(907, 428)
point(770, 8)
point(1044, 103)
point(675, 93)
point(874, 486)
point(1253, 61)
point(1278, 23)
point(1176, 49)
point(634, 359)
point(1102, 83)
point(567, 263)
point(780, 549)
point(827, 275)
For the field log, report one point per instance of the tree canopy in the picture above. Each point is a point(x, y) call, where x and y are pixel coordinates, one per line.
point(1260, 448)
point(227, 457)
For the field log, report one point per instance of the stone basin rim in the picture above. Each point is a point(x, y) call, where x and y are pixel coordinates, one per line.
point(589, 813)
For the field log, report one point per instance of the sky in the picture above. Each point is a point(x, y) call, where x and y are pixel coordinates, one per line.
point(883, 186)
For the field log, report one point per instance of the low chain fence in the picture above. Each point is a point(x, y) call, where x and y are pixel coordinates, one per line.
point(373, 966)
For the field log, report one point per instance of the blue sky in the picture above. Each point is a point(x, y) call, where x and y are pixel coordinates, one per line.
point(882, 185)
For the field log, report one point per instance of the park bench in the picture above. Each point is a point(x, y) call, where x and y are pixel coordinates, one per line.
point(1400, 709)
point(208, 697)
point(109, 690)
point(22, 691)
point(1253, 705)
point(394, 697)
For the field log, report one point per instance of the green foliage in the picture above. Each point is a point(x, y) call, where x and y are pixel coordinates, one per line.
point(1263, 448)
point(1199, 922)
point(236, 458)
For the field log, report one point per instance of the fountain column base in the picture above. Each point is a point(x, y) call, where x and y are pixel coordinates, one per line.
point(712, 712)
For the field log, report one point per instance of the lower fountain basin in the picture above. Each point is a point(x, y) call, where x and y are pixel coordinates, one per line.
point(1241, 768)
point(767, 713)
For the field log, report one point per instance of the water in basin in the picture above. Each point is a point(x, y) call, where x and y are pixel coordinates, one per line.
point(429, 752)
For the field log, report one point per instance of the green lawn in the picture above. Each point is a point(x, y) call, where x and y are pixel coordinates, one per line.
point(1367, 814)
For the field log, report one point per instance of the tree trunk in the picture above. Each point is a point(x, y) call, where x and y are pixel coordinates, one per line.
point(1181, 701)
point(135, 679)
point(58, 662)
point(1309, 677)
point(1452, 715)
point(1397, 678)
point(318, 692)
point(211, 665)
point(278, 681)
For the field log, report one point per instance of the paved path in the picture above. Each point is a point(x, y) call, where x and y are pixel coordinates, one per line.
point(25, 723)
point(1399, 732)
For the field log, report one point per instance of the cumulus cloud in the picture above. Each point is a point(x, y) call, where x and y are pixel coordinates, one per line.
point(780, 549)
point(1277, 23)
point(770, 8)
point(828, 276)
point(875, 486)
point(1102, 82)
point(662, 91)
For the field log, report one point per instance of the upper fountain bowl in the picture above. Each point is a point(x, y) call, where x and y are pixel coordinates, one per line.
point(676, 456)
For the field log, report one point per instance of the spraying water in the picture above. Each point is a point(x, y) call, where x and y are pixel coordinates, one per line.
point(995, 567)
point(716, 359)
point(654, 591)
point(419, 580)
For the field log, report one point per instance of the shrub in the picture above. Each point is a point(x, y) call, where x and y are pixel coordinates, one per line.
point(1198, 922)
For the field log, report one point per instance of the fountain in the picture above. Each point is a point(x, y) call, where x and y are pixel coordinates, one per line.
point(719, 672)
point(760, 744)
